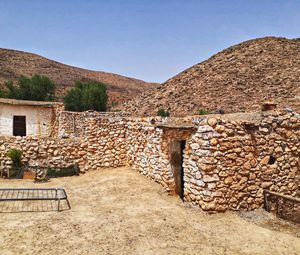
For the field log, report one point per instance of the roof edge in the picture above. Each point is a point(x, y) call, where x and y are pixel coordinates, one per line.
point(28, 102)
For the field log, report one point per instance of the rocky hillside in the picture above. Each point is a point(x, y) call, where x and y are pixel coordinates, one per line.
point(16, 63)
point(236, 79)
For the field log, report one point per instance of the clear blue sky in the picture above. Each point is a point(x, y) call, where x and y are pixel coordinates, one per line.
point(148, 39)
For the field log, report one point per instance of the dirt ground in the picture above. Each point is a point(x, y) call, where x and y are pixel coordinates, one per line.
point(119, 211)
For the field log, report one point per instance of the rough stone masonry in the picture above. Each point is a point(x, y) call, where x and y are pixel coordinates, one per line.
point(227, 160)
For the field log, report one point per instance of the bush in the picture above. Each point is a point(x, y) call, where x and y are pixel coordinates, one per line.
point(203, 112)
point(37, 88)
point(86, 96)
point(15, 155)
point(163, 113)
point(2, 94)
point(221, 111)
point(114, 104)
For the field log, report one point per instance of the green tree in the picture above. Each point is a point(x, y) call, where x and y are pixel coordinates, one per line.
point(37, 88)
point(86, 96)
point(73, 100)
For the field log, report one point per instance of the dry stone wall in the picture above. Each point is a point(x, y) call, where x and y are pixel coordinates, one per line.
point(145, 151)
point(74, 124)
point(227, 162)
point(230, 162)
point(94, 142)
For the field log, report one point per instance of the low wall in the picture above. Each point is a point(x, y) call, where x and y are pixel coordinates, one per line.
point(145, 151)
point(97, 142)
point(227, 160)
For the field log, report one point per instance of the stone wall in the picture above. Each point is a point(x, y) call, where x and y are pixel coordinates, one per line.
point(227, 161)
point(231, 162)
point(145, 152)
point(96, 142)
point(74, 124)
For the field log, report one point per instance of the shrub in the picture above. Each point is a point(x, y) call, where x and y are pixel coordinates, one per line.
point(2, 94)
point(114, 104)
point(221, 111)
point(202, 112)
point(15, 155)
point(163, 113)
point(37, 88)
point(86, 96)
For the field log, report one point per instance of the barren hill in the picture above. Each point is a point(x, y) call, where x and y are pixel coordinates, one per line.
point(239, 78)
point(16, 63)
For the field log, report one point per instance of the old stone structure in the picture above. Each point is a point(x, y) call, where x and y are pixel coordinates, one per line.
point(219, 162)
point(22, 117)
point(227, 160)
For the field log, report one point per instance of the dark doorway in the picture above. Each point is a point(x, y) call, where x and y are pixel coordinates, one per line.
point(19, 126)
point(177, 152)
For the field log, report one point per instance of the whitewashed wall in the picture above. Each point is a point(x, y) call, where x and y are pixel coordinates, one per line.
point(38, 118)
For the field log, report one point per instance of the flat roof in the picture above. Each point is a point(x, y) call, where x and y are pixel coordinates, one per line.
point(188, 122)
point(28, 102)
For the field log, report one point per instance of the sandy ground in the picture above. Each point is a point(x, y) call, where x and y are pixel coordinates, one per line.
point(119, 211)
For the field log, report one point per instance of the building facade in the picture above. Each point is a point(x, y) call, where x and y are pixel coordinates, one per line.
point(27, 118)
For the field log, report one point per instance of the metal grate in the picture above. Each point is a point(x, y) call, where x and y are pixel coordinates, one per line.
point(33, 200)
point(285, 207)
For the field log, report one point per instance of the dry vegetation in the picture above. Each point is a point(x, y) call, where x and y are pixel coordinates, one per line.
point(119, 211)
point(239, 78)
point(15, 63)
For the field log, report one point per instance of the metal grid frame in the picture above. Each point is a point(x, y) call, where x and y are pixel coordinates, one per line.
point(285, 207)
point(34, 194)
